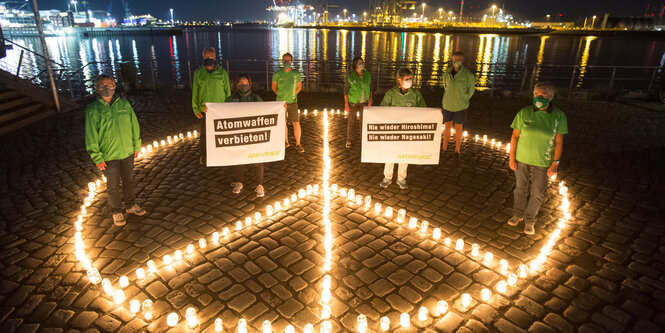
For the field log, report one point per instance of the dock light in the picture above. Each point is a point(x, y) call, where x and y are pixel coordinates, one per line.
point(475, 250)
point(512, 279)
point(172, 319)
point(423, 314)
point(203, 243)
point(377, 208)
point(485, 294)
point(140, 273)
point(362, 323)
point(368, 202)
point(442, 307)
point(388, 212)
point(218, 325)
point(502, 287)
point(447, 241)
point(134, 306)
point(118, 296)
point(488, 257)
point(436, 234)
point(167, 260)
point(459, 245)
point(123, 281)
point(385, 323)
point(242, 325)
point(190, 248)
point(309, 328)
point(405, 320)
point(423, 226)
point(94, 276)
point(152, 267)
point(466, 300)
point(190, 316)
point(147, 309)
point(413, 223)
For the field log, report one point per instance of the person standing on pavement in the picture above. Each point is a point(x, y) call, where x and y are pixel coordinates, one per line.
point(112, 138)
point(243, 93)
point(459, 85)
point(535, 150)
point(357, 95)
point(210, 85)
point(404, 95)
point(287, 83)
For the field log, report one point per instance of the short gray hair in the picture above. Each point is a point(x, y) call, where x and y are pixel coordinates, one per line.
point(209, 49)
point(546, 85)
point(402, 72)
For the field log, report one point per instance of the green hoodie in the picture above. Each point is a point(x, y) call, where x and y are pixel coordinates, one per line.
point(458, 90)
point(209, 87)
point(412, 98)
point(354, 86)
point(111, 130)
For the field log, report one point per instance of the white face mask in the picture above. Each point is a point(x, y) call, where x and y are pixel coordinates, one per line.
point(457, 64)
point(407, 84)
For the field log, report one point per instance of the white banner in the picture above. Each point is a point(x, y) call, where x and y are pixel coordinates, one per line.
point(401, 135)
point(244, 133)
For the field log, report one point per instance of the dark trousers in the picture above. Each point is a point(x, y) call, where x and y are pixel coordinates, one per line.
point(115, 171)
point(240, 172)
point(202, 135)
point(528, 209)
point(351, 123)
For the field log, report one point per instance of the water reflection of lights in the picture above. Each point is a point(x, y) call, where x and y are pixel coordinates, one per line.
point(341, 49)
point(483, 60)
point(541, 55)
point(434, 79)
point(135, 54)
point(418, 72)
point(584, 59)
point(364, 45)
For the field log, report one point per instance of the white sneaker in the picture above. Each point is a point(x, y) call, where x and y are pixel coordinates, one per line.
point(514, 221)
point(529, 229)
point(119, 219)
point(136, 210)
point(237, 187)
point(260, 192)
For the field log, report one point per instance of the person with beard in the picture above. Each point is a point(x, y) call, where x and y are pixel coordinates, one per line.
point(112, 138)
point(243, 93)
point(459, 85)
point(210, 85)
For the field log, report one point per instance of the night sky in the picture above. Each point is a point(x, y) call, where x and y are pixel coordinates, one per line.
point(232, 10)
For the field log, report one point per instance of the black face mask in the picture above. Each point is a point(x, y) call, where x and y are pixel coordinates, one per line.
point(208, 62)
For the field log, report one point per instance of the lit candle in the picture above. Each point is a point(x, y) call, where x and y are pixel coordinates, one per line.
point(466, 300)
point(475, 250)
point(476, 137)
point(163, 143)
point(123, 281)
point(172, 319)
point(325, 296)
point(401, 215)
point(301, 193)
point(147, 309)
point(504, 264)
point(190, 248)
point(362, 323)
point(442, 306)
point(325, 311)
point(359, 199)
point(294, 198)
point(485, 294)
point(94, 276)
point(239, 225)
point(512, 279)
point(351, 194)
point(203, 243)
point(309, 328)
point(316, 188)
point(215, 237)
point(134, 306)
point(269, 210)
point(152, 267)
point(413, 223)
point(196, 133)
point(423, 226)
point(289, 328)
point(219, 325)
point(377, 208)
point(423, 314)
point(459, 245)
point(242, 325)
point(140, 273)
point(368, 202)
point(327, 282)
point(522, 271)
point(388, 212)
point(278, 206)
point(447, 241)
point(167, 260)
point(155, 144)
point(267, 327)
point(190, 316)
point(488, 257)
point(326, 327)
point(248, 221)
point(436, 234)
point(257, 216)
point(501, 286)
point(342, 192)
point(405, 320)
point(385, 323)
point(118, 296)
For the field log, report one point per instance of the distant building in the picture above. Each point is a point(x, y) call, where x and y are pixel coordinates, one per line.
point(553, 25)
point(140, 20)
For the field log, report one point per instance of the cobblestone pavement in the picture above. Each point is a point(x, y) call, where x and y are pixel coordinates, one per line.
point(604, 275)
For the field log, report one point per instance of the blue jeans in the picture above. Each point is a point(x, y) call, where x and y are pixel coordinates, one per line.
point(528, 209)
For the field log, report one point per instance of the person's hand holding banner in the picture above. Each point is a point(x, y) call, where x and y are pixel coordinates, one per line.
point(401, 135)
point(244, 133)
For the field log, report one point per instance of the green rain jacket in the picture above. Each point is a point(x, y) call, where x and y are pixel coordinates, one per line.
point(111, 130)
point(354, 86)
point(458, 90)
point(412, 98)
point(209, 87)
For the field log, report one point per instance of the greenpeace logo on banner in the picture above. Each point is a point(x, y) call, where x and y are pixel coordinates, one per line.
point(264, 154)
point(401, 137)
point(401, 127)
point(243, 123)
point(414, 156)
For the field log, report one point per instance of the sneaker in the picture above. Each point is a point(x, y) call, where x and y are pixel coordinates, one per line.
point(119, 219)
point(513, 221)
point(348, 144)
point(260, 192)
point(136, 210)
point(237, 187)
point(402, 184)
point(529, 229)
point(385, 182)
point(300, 149)
point(287, 145)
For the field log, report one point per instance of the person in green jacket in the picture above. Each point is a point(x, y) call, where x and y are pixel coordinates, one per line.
point(287, 83)
point(210, 85)
point(459, 85)
point(112, 138)
point(357, 95)
point(401, 95)
point(535, 150)
point(243, 93)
